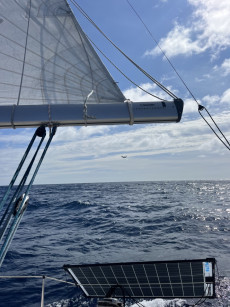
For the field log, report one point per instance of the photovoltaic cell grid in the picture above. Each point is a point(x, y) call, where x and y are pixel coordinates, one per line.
point(172, 279)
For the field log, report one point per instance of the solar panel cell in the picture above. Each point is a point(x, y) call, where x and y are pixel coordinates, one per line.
point(170, 279)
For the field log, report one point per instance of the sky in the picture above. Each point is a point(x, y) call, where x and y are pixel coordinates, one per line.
point(195, 36)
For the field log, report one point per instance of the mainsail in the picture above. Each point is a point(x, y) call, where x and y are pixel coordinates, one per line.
point(51, 75)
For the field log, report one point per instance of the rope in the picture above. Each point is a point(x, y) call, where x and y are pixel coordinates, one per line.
point(125, 55)
point(167, 58)
point(141, 88)
point(85, 115)
point(17, 171)
point(16, 217)
point(200, 108)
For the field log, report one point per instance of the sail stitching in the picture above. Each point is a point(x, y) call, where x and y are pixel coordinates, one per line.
point(87, 56)
point(99, 62)
point(64, 59)
point(23, 66)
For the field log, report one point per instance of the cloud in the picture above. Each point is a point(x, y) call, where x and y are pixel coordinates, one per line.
point(226, 96)
point(178, 41)
point(136, 94)
point(207, 28)
point(224, 68)
point(98, 158)
point(71, 134)
point(190, 106)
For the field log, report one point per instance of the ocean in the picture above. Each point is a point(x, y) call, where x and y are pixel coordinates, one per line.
point(115, 222)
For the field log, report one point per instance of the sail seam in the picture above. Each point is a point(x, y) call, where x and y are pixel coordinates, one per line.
point(93, 50)
point(64, 59)
point(23, 66)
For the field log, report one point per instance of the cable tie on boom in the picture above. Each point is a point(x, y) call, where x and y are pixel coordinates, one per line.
point(12, 116)
point(130, 107)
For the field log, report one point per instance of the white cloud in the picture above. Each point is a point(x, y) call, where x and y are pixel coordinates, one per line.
point(178, 41)
point(211, 101)
point(226, 96)
point(98, 158)
point(136, 94)
point(89, 154)
point(224, 68)
point(208, 28)
point(190, 106)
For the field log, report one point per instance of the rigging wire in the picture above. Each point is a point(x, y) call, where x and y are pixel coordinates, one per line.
point(200, 107)
point(125, 55)
point(141, 88)
point(11, 220)
point(167, 58)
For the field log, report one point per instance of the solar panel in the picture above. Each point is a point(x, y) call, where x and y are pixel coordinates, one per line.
point(170, 279)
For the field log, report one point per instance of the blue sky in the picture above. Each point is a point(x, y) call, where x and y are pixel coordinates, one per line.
point(195, 35)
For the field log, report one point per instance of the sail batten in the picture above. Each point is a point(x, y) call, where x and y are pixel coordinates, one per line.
point(47, 60)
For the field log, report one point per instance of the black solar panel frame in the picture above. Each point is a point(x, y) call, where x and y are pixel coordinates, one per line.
point(181, 285)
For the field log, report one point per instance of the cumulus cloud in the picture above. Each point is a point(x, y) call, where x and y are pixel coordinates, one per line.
point(207, 28)
point(211, 101)
point(98, 158)
point(178, 41)
point(224, 67)
point(226, 96)
point(136, 94)
point(190, 106)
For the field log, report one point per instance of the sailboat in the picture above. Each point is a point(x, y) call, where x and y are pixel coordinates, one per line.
point(51, 76)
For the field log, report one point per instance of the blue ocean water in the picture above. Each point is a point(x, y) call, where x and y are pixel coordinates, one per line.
point(115, 222)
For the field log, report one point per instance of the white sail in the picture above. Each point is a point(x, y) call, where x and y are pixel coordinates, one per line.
point(50, 73)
